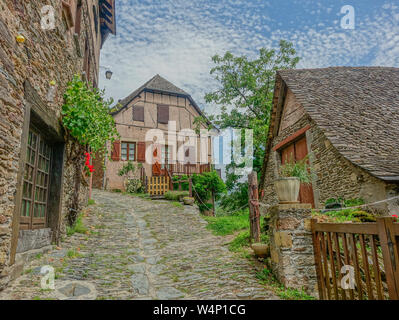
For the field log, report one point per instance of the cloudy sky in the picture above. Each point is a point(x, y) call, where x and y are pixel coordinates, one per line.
point(176, 38)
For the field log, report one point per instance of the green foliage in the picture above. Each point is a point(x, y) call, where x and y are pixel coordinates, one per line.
point(128, 168)
point(345, 202)
point(353, 202)
point(134, 186)
point(90, 202)
point(204, 185)
point(236, 199)
point(240, 241)
point(299, 169)
point(176, 179)
point(175, 195)
point(85, 115)
point(266, 277)
point(177, 204)
point(245, 97)
point(224, 225)
point(77, 227)
point(349, 214)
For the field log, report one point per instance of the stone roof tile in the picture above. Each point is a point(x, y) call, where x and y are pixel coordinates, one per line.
point(358, 110)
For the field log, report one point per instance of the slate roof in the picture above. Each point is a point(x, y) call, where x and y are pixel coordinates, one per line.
point(156, 83)
point(358, 110)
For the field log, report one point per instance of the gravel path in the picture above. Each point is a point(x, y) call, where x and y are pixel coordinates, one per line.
point(138, 248)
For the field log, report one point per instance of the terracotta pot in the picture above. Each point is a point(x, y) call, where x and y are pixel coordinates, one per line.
point(287, 189)
point(260, 249)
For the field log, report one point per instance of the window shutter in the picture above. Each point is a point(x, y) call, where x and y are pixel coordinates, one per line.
point(116, 151)
point(163, 114)
point(138, 113)
point(141, 151)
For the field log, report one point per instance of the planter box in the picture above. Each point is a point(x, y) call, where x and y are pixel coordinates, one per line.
point(287, 189)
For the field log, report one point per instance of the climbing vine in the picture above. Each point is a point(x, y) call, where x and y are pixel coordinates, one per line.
point(88, 124)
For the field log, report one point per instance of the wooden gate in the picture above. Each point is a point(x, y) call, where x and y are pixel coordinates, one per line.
point(158, 185)
point(370, 250)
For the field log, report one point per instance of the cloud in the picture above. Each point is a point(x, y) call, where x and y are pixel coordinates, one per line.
point(176, 38)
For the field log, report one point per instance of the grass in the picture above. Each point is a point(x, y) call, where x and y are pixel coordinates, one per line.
point(78, 227)
point(177, 204)
point(266, 277)
point(240, 241)
point(91, 202)
point(175, 195)
point(224, 225)
point(73, 253)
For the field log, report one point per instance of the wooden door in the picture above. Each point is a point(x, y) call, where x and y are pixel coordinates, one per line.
point(306, 190)
point(297, 151)
point(35, 182)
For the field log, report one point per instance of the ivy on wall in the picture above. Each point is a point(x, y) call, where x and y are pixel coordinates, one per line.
point(89, 125)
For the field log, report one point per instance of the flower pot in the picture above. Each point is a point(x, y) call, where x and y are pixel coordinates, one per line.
point(188, 201)
point(261, 249)
point(287, 189)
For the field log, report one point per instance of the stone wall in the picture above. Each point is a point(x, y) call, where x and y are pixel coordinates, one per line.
point(46, 55)
point(335, 176)
point(291, 247)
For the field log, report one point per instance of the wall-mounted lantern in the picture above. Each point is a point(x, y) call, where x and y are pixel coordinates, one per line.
point(108, 74)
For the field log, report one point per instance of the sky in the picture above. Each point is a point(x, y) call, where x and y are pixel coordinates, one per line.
point(177, 38)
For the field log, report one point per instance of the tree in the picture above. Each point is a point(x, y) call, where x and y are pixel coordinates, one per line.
point(245, 97)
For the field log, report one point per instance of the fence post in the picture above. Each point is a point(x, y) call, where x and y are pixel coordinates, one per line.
point(254, 215)
point(389, 248)
point(317, 259)
point(190, 187)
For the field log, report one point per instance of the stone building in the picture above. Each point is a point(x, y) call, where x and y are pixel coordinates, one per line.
point(347, 120)
point(42, 45)
point(143, 120)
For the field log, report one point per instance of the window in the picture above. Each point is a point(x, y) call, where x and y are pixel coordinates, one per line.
point(138, 113)
point(163, 114)
point(35, 182)
point(78, 17)
point(128, 151)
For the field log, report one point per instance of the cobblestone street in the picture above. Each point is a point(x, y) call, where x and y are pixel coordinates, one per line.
point(138, 248)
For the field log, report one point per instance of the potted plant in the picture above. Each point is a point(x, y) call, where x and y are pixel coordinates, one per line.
point(188, 201)
point(292, 174)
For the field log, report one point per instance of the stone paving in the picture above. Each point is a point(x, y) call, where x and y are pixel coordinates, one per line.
point(138, 248)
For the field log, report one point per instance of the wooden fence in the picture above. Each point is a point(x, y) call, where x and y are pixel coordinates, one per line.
point(371, 250)
point(158, 186)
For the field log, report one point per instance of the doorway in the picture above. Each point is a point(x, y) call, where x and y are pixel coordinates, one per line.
point(36, 179)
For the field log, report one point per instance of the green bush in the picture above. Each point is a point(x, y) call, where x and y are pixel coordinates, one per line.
point(176, 195)
point(204, 185)
point(349, 214)
point(184, 185)
point(134, 186)
point(299, 169)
